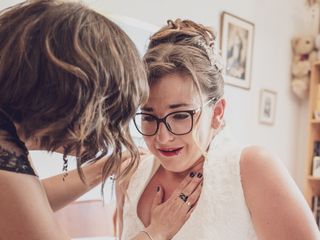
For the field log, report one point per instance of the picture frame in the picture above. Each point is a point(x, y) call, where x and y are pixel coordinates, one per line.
point(267, 106)
point(236, 47)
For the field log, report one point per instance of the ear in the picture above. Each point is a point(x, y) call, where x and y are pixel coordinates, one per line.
point(218, 113)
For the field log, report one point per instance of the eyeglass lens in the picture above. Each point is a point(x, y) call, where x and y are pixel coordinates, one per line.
point(176, 123)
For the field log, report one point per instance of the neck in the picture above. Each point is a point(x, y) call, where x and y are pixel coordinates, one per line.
point(30, 143)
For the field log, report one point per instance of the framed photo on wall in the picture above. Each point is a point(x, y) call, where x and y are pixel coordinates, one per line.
point(267, 106)
point(236, 46)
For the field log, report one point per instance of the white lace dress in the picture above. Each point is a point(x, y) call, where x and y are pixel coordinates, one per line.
point(221, 213)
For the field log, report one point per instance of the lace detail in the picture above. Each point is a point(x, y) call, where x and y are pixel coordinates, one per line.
point(11, 160)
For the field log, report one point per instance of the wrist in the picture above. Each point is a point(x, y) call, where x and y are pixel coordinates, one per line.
point(155, 234)
point(93, 174)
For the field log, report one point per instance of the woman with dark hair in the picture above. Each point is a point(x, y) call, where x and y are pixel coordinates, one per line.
point(71, 80)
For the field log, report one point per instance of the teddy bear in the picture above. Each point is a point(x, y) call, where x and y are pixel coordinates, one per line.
point(304, 55)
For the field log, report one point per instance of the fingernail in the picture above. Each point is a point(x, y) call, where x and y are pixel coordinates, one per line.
point(192, 174)
point(199, 175)
point(158, 189)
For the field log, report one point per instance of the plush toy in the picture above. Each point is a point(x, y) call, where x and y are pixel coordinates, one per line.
point(303, 57)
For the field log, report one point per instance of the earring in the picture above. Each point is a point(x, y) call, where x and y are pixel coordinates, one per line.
point(65, 166)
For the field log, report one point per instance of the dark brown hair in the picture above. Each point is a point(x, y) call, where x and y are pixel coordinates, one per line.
point(71, 77)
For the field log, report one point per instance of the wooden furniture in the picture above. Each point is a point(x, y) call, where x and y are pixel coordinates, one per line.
point(87, 219)
point(312, 184)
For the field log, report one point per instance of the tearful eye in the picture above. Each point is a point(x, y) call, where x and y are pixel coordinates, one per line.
point(147, 118)
point(180, 116)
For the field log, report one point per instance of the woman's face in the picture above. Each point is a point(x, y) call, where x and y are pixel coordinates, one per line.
point(171, 93)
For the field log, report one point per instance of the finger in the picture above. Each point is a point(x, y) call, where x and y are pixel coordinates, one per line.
point(198, 167)
point(189, 213)
point(194, 197)
point(191, 187)
point(183, 184)
point(191, 209)
point(157, 200)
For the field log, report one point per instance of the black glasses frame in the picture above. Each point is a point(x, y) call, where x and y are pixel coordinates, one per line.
point(164, 121)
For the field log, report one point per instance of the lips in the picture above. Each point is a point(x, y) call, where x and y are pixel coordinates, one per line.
point(169, 152)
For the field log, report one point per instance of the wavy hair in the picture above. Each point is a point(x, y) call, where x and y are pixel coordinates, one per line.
point(72, 78)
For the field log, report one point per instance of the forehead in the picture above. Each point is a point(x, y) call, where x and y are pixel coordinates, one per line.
point(173, 85)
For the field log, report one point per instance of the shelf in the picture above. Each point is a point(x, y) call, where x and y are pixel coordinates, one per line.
point(314, 184)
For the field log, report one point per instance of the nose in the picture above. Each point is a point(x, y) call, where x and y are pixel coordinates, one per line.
point(163, 135)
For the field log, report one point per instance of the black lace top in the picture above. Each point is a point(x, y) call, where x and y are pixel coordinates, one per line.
point(11, 160)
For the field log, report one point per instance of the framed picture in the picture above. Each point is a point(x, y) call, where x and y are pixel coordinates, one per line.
point(236, 46)
point(267, 108)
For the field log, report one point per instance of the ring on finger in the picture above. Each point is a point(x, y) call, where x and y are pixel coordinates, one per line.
point(183, 197)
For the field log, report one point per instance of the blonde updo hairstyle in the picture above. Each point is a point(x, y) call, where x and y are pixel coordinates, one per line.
point(187, 48)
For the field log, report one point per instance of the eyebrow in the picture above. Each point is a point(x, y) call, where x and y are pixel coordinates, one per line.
point(171, 106)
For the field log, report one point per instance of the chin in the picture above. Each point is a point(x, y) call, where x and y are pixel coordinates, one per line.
point(169, 166)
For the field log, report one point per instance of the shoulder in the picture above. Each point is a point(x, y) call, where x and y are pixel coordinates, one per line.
point(263, 174)
point(25, 204)
point(254, 159)
point(278, 209)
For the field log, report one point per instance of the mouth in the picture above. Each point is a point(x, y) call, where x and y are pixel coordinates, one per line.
point(169, 152)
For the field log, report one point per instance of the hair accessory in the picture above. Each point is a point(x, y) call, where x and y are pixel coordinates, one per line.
point(183, 197)
point(65, 167)
point(213, 53)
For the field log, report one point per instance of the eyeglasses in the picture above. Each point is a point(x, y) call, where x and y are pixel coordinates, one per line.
point(178, 123)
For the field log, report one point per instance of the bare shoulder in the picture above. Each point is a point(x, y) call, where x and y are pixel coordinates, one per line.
point(256, 160)
point(25, 205)
point(278, 209)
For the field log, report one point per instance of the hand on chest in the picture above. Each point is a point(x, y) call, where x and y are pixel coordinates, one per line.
point(144, 206)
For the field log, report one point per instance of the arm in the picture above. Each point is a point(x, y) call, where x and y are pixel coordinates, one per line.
point(25, 210)
point(60, 193)
point(278, 209)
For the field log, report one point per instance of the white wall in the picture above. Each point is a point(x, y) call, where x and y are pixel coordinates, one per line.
point(276, 22)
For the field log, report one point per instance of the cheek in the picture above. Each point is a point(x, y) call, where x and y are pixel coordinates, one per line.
point(196, 144)
point(192, 145)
